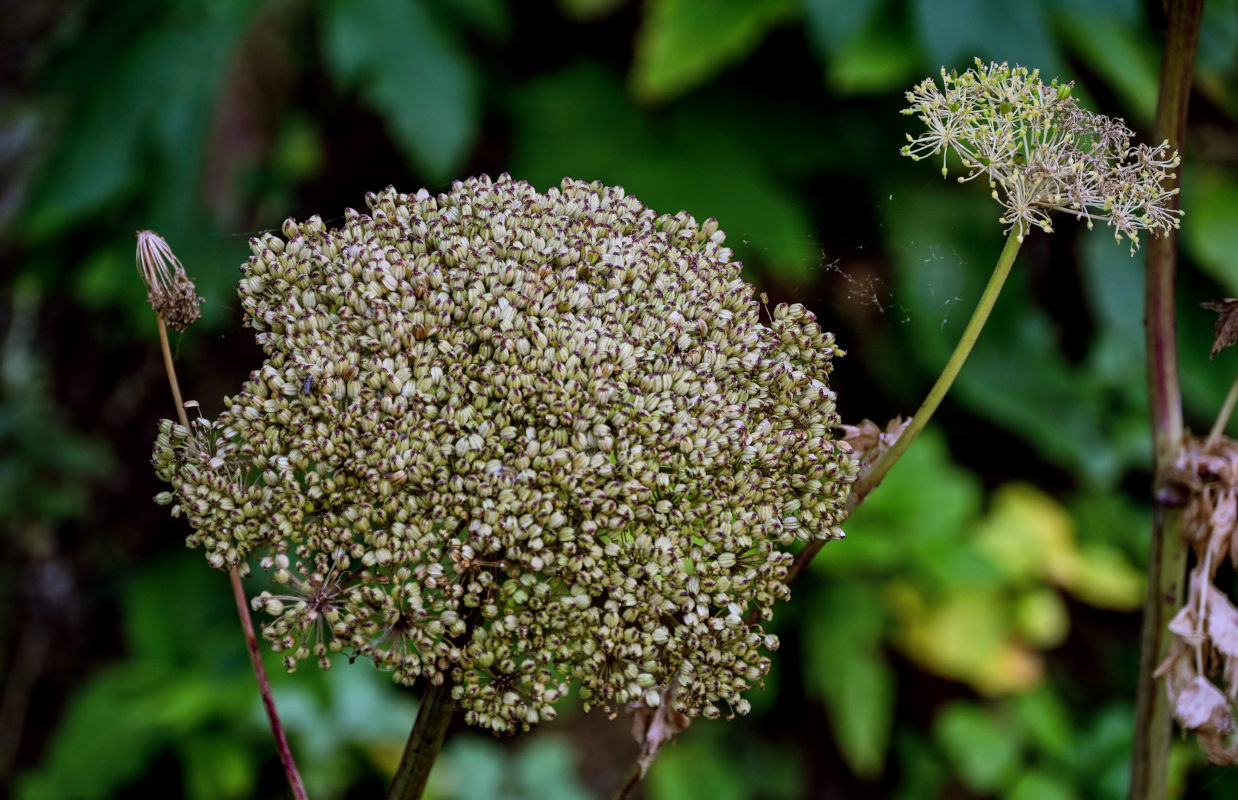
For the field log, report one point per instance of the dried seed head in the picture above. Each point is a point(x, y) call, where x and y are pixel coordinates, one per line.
point(170, 291)
point(519, 440)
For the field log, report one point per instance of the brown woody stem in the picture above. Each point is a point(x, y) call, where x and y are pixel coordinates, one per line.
point(1167, 556)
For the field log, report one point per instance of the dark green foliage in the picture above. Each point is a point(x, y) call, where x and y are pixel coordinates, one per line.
point(974, 635)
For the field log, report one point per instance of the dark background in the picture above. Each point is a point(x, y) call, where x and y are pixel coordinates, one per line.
point(976, 634)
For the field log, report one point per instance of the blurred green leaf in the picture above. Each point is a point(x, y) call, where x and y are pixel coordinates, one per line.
point(832, 23)
point(1102, 750)
point(691, 771)
point(136, 109)
point(983, 750)
point(545, 768)
point(471, 767)
point(925, 502)
point(218, 768)
point(410, 70)
point(1044, 722)
point(1120, 52)
point(123, 718)
point(490, 17)
point(1215, 64)
point(956, 31)
point(682, 43)
point(876, 59)
point(1208, 231)
point(1041, 618)
point(922, 769)
point(579, 123)
point(475, 767)
point(846, 668)
point(1036, 785)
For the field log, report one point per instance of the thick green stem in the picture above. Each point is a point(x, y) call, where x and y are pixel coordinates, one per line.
point(871, 477)
point(433, 719)
point(1167, 554)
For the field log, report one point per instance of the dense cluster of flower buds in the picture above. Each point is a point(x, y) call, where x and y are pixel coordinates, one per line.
point(518, 441)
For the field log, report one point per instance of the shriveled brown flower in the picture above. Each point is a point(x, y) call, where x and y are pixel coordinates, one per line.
point(1205, 647)
point(168, 288)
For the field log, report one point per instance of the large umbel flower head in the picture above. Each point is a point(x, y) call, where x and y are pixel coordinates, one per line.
point(519, 440)
point(1042, 152)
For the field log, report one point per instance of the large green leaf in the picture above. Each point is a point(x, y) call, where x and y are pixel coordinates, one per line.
point(408, 68)
point(683, 43)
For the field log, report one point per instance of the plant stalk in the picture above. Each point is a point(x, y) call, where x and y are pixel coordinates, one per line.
point(242, 606)
point(1167, 552)
point(433, 719)
point(1227, 411)
point(871, 477)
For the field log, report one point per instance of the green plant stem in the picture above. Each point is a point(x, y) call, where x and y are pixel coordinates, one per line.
point(1167, 552)
point(872, 476)
point(170, 369)
point(433, 719)
point(242, 605)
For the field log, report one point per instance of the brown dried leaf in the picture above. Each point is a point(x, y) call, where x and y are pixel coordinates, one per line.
point(1226, 330)
point(863, 437)
point(1183, 625)
point(869, 442)
point(1222, 620)
point(652, 727)
point(1200, 705)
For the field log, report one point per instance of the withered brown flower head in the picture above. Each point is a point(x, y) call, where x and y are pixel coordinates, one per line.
point(1201, 670)
point(519, 440)
point(1225, 332)
point(170, 291)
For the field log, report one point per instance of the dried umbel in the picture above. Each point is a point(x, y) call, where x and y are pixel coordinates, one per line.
point(1205, 644)
point(1041, 152)
point(168, 288)
point(519, 440)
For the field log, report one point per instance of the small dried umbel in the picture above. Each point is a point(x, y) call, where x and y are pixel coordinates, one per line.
point(518, 441)
point(170, 291)
point(1042, 152)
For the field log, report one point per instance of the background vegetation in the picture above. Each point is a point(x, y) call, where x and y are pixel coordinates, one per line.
point(975, 636)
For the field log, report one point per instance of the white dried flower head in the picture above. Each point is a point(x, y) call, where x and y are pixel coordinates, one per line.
point(520, 440)
point(168, 288)
point(1042, 152)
